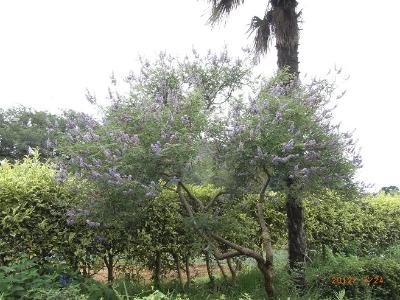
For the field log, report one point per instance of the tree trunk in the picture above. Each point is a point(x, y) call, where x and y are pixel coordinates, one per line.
point(297, 241)
point(157, 271)
point(232, 270)
point(109, 261)
point(187, 267)
point(288, 58)
point(209, 270)
point(221, 268)
point(285, 21)
point(266, 271)
point(178, 270)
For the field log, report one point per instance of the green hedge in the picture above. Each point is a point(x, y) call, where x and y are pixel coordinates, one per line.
point(33, 207)
point(352, 273)
point(360, 227)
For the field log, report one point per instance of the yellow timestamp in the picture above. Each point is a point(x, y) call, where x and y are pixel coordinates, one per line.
point(351, 280)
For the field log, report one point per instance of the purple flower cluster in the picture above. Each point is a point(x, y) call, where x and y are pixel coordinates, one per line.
point(151, 190)
point(185, 119)
point(311, 155)
point(310, 144)
point(156, 148)
point(238, 129)
point(92, 224)
point(288, 146)
point(276, 159)
point(253, 108)
point(278, 116)
point(277, 90)
point(259, 153)
point(61, 176)
point(73, 214)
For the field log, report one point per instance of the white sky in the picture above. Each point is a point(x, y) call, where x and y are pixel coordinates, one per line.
point(51, 51)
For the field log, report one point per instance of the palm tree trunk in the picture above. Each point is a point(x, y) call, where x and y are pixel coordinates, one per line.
point(288, 58)
point(285, 20)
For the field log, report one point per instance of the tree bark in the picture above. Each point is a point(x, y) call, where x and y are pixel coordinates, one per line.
point(288, 58)
point(178, 270)
point(209, 270)
point(109, 261)
point(265, 264)
point(232, 270)
point(221, 268)
point(285, 20)
point(157, 271)
point(297, 241)
point(266, 271)
point(187, 267)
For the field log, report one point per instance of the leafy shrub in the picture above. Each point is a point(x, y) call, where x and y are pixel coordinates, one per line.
point(33, 204)
point(21, 279)
point(361, 226)
point(26, 279)
point(359, 276)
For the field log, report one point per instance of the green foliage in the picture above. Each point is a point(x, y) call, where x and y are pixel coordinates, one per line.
point(390, 189)
point(32, 208)
point(26, 279)
point(21, 280)
point(21, 128)
point(353, 226)
point(361, 277)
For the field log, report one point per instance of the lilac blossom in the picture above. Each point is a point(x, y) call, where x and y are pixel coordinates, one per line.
point(70, 139)
point(156, 148)
point(95, 174)
point(357, 160)
point(241, 146)
point(30, 151)
point(115, 175)
point(185, 119)
point(253, 107)
point(92, 224)
point(277, 90)
point(259, 153)
point(238, 129)
point(288, 146)
point(276, 159)
point(128, 192)
point(291, 127)
point(311, 155)
point(310, 143)
point(135, 139)
point(61, 176)
point(48, 144)
point(100, 239)
point(151, 189)
point(278, 116)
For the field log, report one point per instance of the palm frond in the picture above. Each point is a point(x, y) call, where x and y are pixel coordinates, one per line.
point(221, 8)
point(262, 28)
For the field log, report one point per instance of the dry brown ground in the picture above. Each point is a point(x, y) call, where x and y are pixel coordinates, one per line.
point(195, 271)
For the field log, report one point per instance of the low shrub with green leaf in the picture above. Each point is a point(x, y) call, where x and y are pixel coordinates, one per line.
point(361, 277)
point(353, 226)
point(24, 278)
point(33, 204)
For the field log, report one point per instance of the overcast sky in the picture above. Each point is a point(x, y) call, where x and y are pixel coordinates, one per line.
point(51, 51)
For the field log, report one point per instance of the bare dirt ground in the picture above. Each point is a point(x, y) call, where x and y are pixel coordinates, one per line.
point(195, 271)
